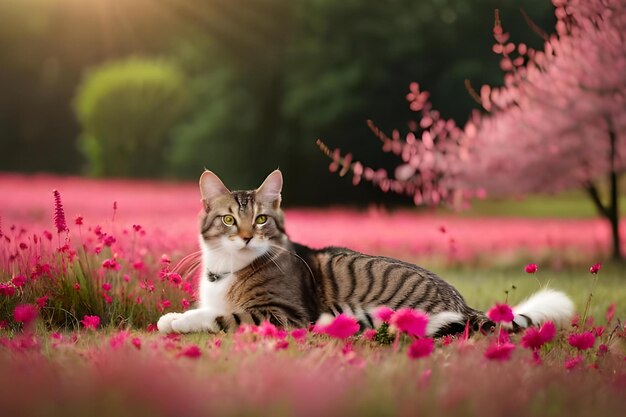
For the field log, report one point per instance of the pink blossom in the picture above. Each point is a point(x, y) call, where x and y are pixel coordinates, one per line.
point(190, 351)
point(499, 352)
point(501, 313)
point(59, 213)
point(410, 321)
point(136, 342)
point(534, 338)
point(7, 290)
point(106, 287)
point(281, 344)
point(369, 334)
point(41, 301)
point(421, 348)
point(610, 313)
point(118, 339)
point(299, 335)
point(595, 268)
point(185, 303)
point(78, 220)
point(19, 280)
point(25, 313)
point(383, 313)
point(531, 268)
point(111, 264)
point(582, 341)
point(267, 330)
point(91, 322)
point(573, 362)
point(77, 286)
point(341, 327)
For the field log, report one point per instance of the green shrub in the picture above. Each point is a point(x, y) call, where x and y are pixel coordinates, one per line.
point(127, 110)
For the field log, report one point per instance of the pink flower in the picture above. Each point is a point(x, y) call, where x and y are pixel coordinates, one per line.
point(595, 268)
point(383, 313)
point(151, 328)
point(185, 303)
point(191, 351)
point(421, 348)
point(19, 280)
point(77, 286)
point(267, 330)
point(25, 313)
point(7, 290)
point(582, 341)
point(410, 321)
point(299, 334)
point(341, 327)
point(534, 338)
point(78, 221)
point(610, 313)
point(573, 362)
point(281, 345)
point(501, 312)
point(91, 322)
point(369, 334)
point(136, 342)
point(499, 352)
point(106, 287)
point(531, 268)
point(118, 339)
point(59, 213)
point(47, 234)
point(111, 264)
point(41, 301)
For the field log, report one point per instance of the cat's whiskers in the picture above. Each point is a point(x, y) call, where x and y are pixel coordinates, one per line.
point(297, 256)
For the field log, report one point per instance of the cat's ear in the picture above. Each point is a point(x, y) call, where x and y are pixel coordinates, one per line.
point(269, 191)
point(211, 187)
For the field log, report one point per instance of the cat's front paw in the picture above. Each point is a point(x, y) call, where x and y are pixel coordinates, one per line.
point(195, 321)
point(165, 322)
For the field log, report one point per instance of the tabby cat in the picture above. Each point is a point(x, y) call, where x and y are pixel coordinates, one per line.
point(252, 272)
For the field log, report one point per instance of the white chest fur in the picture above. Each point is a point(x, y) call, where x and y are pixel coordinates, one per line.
point(213, 294)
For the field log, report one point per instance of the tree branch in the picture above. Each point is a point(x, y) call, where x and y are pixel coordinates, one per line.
point(593, 192)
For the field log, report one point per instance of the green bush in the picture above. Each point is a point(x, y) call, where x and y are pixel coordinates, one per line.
point(127, 110)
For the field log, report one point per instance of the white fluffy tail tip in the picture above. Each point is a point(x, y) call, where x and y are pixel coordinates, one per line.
point(542, 306)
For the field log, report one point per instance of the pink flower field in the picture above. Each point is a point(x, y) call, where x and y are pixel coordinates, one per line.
point(86, 271)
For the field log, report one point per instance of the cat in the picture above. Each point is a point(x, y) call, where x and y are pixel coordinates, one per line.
point(251, 271)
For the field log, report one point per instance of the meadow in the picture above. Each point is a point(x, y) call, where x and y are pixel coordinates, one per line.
point(85, 273)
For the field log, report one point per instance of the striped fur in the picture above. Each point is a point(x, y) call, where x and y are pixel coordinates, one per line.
point(265, 276)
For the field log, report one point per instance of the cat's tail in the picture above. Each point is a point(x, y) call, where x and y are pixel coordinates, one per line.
point(542, 306)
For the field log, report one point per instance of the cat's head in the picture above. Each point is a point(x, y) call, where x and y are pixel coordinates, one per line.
point(244, 224)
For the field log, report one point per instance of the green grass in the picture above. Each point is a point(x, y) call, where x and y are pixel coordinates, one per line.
point(569, 205)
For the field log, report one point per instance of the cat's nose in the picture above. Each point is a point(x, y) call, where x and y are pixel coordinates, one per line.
point(247, 239)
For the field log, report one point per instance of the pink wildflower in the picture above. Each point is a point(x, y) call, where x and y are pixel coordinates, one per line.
point(118, 339)
point(59, 213)
point(531, 268)
point(582, 341)
point(25, 313)
point(602, 349)
point(299, 334)
point(410, 321)
point(77, 286)
point(111, 264)
point(369, 334)
point(383, 313)
point(151, 328)
point(106, 287)
point(19, 280)
point(595, 268)
point(501, 313)
point(268, 330)
point(136, 342)
point(421, 348)
point(107, 298)
point(573, 362)
point(47, 234)
point(78, 221)
point(499, 352)
point(41, 301)
point(7, 290)
point(281, 345)
point(341, 327)
point(185, 303)
point(534, 338)
point(91, 322)
point(191, 351)
point(610, 313)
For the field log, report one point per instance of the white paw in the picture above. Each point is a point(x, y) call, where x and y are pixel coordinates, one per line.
point(199, 320)
point(165, 322)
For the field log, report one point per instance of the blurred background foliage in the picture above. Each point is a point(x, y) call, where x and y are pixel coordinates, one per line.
point(164, 88)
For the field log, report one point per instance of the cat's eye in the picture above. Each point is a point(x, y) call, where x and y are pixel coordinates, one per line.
point(262, 219)
point(228, 220)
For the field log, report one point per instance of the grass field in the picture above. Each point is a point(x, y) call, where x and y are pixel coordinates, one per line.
point(117, 265)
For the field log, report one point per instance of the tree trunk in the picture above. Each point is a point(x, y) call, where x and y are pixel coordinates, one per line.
point(613, 209)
